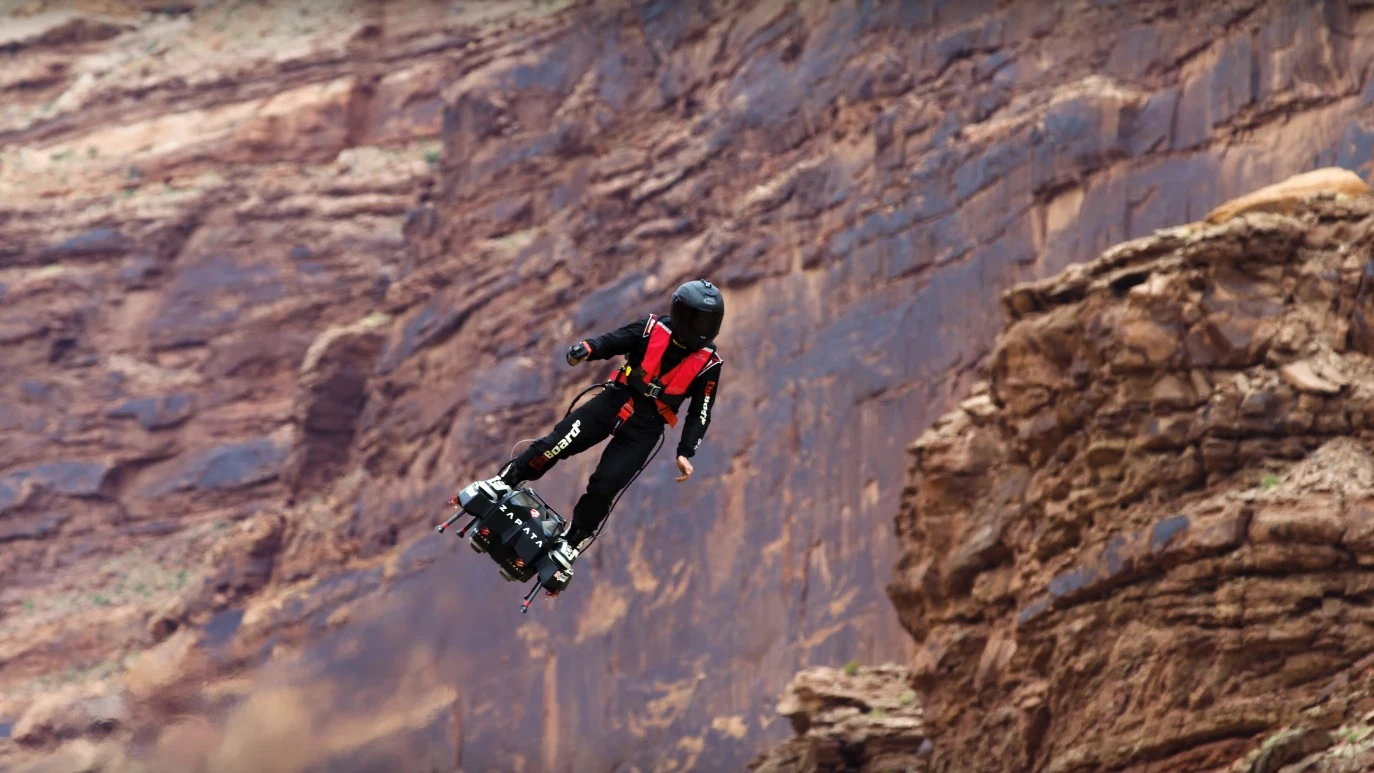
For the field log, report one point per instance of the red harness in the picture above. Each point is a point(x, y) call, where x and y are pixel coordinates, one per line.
point(675, 382)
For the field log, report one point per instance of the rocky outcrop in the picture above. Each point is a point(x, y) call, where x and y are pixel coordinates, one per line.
point(194, 196)
point(75, 712)
point(1167, 458)
point(854, 718)
point(1288, 196)
point(239, 564)
point(329, 400)
point(1140, 541)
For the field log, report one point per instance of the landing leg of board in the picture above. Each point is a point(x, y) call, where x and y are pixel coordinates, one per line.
point(463, 532)
point(454, 519)
point(525, 606)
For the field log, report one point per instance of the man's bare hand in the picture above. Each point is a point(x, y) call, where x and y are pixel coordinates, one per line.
point(686, 467)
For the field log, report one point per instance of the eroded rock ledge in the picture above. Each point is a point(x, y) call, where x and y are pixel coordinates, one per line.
point(851, 719)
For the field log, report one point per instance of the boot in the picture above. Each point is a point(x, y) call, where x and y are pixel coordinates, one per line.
point(569, 548)
point(497, 486)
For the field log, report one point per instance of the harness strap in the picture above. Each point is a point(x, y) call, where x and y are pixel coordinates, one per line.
point(646, 379)
point(626, 411)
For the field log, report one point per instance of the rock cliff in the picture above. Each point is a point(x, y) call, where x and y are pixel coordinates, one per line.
point(274, 282)
point(1142, 542)
point(1155, 509)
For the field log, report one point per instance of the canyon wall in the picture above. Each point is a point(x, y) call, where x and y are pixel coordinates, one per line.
point(275, 284)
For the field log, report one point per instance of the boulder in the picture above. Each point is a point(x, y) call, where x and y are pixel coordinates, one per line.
point(329, 400)
point(76, 711)
point(1287, 195)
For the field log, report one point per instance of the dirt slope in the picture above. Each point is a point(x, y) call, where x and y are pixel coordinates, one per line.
point(275, 281)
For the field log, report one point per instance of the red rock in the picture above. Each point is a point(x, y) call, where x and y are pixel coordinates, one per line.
point(1286, 196)
point(231, 207)
point(1302, 376)
point(155, 413)
point(60, 28)
point(1116, 545)
point(330, 399)
point(1147, 344)
point(1359, 536)
point(1315, 520)
point(74, 712)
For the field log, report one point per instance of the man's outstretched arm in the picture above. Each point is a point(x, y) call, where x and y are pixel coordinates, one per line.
point(622, 340)
point(703, 394)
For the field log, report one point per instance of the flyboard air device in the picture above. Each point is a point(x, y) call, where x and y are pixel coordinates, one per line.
point(518, 530)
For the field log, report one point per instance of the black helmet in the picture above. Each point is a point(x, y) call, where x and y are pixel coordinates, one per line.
point(698, 309)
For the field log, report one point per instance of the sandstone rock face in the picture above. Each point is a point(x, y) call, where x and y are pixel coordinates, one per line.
point(1141, 541)
point(192, 200)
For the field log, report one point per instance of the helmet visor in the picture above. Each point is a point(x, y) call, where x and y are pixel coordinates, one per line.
point(700, 325)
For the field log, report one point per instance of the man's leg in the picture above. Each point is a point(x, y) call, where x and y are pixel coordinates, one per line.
point(586, 426)
point(629, 448)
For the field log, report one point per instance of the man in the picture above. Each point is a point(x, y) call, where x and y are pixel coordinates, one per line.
point(668, 360)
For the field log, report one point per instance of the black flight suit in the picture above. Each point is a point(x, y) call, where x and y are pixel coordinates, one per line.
point(634, 441)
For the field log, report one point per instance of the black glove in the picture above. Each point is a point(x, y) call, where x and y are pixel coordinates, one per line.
point(578, 352)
